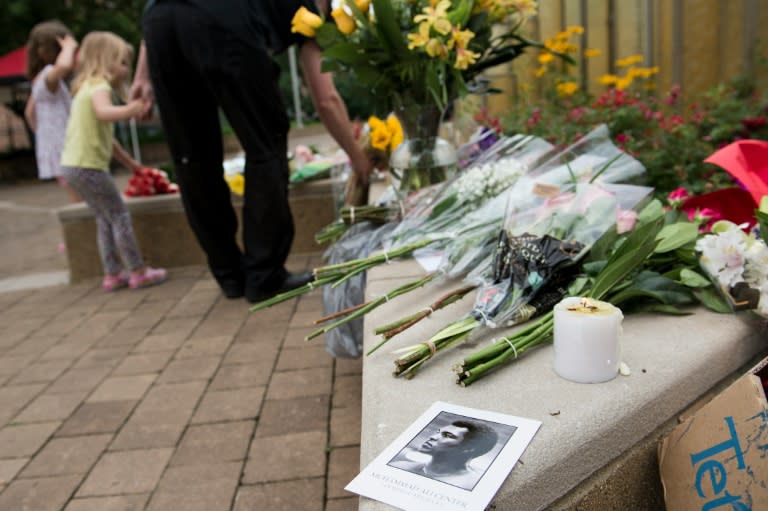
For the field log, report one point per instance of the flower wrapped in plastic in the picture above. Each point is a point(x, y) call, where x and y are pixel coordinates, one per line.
point(738, 264)
point(537, 250)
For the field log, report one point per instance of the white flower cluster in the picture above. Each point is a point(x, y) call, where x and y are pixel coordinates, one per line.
point(487, 180)
point(730, 256)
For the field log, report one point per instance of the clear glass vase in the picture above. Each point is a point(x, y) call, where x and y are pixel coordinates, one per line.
point(423, 158)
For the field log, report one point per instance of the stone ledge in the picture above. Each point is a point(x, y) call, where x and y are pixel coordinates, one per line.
point(585, 428)
point(165, 237)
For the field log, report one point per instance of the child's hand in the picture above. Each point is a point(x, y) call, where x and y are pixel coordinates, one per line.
point(136, 107)
point(67, 42)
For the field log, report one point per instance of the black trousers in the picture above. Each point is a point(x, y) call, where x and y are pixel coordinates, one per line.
point(197, 67)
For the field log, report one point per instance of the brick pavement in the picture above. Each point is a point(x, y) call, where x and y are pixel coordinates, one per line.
point(170, 397)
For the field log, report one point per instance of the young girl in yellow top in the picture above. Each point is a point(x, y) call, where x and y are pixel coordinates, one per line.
point(104, 67)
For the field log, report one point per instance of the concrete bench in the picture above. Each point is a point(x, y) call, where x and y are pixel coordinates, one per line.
point(166, 239)
point(596, 448)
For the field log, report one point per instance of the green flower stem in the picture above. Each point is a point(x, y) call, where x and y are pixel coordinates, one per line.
point(392, 329)
point(331, 232)
point(417, 354)
point(494, 349)
point(290, 294)
point(373, 304)
point(503, 350)
point(358, 265)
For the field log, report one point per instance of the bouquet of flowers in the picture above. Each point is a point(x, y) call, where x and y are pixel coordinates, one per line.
point(419, 51)
point(738, 264)
point(536, 256)
point(147, 181)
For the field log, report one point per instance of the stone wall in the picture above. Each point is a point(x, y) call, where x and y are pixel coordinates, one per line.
point(166, 239)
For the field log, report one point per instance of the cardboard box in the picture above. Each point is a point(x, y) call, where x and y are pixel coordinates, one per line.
point(717, 459)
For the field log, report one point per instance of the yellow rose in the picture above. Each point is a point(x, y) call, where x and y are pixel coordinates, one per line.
point(236, 183)
point(380, 138)
point(396, 130)
point(363, 5)
point(344, 21)
point(306, 22)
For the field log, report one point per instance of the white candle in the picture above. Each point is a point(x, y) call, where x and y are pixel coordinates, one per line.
point(587, 332)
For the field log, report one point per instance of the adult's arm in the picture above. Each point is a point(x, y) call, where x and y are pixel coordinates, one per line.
point(64, 62)
point(331, 108)
point(142, 85)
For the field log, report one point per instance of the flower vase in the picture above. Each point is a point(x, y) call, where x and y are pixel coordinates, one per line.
point(423, 158)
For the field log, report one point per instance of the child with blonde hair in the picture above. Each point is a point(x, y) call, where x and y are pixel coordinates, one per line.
point(103, 69)
point(50, 59)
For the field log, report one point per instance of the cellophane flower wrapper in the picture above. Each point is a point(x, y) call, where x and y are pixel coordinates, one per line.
point(592, 158)
point(538, 244)
point(594, 153)
point(737, 263)
point(465, 193)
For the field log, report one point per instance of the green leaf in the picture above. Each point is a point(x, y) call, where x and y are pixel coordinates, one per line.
point(691, 278)
point(328, 35)
point(388, 27)
point(712, 300)
point(651, 212)
point(638, 246)
point(676, 236)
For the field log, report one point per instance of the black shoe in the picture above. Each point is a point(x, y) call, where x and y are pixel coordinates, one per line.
point(232, 288)
point(292, 281)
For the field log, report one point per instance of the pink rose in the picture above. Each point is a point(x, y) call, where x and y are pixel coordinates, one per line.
point(625, 221)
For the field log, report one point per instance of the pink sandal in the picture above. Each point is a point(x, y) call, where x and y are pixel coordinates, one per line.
point(150, 277)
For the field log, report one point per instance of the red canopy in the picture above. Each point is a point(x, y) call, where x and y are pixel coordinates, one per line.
point(13, 66)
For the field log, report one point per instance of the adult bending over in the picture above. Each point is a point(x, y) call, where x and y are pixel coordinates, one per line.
point(202, 56)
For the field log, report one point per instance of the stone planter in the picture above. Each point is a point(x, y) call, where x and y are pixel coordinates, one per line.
point(166, 239)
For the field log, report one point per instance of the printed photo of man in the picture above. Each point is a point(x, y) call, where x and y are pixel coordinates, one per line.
point(453, 449)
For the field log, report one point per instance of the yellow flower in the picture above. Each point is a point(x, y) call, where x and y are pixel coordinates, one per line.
point(363, 5)
point(540, 71)
point(443, 26)
point(624, 83)
point(464, 58)
point(420, 38)
point(344, 21)
point(236, 183)
point(393, 124)
point(436, 49)
point(574, 30)
point(375, 123)
point(434, 12)
point(567, 88)
point(545, 57)
point(460, 38)
point(629, 61)
point(608, 79)
point(592, 52)
point(380, 138)
point(306, 22)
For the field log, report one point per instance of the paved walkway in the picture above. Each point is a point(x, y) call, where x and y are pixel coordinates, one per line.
point(166, 398)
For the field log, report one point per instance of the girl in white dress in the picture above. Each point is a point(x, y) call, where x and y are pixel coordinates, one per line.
point(50, 58)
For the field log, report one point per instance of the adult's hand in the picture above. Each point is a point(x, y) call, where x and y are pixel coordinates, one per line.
point(142, 85)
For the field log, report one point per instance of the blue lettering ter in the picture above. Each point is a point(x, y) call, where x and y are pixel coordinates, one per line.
point(726, 499)
point(716, 473)
point(732, 443)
